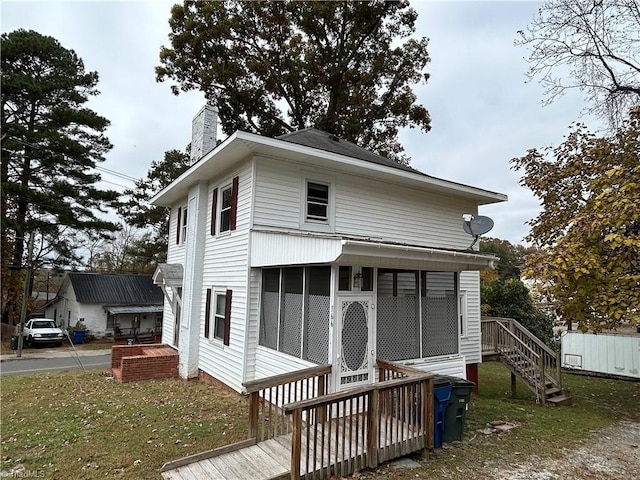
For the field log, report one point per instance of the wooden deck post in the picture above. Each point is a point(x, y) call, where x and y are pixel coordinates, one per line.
point(254, 410)
point(542, 388)
point(427, 411)
point(296, 444)
point(321, 412)
point(559, 368)
point(373, 417)
point(513, 385)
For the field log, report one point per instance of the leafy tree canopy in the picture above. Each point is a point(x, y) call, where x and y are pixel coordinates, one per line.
point(275, 67)
point(511, 257)
point(588, 234)
point(592, 46)
point(137, 211)
point(51, 143)
point(503, 294)
point(511, 299)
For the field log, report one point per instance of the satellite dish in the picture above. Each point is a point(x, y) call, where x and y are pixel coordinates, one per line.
point(476, 226)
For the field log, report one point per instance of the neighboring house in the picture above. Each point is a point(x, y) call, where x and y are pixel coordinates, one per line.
point(306, 249)
point(108, 304)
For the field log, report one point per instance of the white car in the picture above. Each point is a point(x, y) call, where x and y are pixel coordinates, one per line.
point(42, 330)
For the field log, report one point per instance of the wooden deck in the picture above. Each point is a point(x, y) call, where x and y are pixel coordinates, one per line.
point(266, 460)
point(296, 430)
point(271, 459)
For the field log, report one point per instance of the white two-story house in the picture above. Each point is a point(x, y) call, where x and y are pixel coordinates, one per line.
point(306, 249)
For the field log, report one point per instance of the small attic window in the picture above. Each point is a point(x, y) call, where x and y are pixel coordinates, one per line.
point(317, 201)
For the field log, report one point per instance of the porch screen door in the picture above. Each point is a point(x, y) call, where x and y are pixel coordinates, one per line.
point(356, 348)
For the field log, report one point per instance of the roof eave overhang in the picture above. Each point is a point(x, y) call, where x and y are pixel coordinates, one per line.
point(241, 145)
point(308, 250)
point(416, 257)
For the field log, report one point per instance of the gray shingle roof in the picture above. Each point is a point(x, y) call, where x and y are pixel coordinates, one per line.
point(312, 137)
point(115, 289)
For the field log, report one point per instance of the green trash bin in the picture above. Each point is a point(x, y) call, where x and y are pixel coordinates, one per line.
point(14, 342)
point(456, 413)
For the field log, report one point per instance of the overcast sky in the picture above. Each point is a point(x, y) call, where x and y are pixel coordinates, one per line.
point(483, 111)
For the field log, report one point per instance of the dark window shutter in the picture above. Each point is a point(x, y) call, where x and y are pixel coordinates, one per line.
point(227, 318)
point(214, 209)
point(207, 314)
point(234, 204)
point(178, 225)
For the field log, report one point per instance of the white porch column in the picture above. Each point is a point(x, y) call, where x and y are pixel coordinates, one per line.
point(192, 303)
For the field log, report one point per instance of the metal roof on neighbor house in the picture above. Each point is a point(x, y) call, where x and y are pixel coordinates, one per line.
point(115, 289)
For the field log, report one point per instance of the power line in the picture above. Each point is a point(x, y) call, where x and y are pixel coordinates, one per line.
point(114, 183)
point(97, 167)
point(117, 174)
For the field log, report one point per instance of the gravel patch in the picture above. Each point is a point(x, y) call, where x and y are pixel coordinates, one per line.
point(612, 453)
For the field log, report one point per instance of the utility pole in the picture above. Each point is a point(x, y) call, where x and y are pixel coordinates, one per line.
point(25, 295)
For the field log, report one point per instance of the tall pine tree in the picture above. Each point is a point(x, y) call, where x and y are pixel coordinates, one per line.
point(51, 144)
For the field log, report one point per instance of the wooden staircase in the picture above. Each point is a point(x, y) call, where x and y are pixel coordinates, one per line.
point(528, 359)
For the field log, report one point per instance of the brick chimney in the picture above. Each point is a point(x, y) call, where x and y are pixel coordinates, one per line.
point(203, 132)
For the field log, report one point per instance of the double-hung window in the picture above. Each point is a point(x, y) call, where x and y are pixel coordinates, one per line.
point(217, 322)
point(224, 208)
point(317, 201)
point(181, 225)
point(220, 301)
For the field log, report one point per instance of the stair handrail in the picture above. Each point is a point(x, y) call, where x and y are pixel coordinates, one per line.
point(536, 361)
point(551, 358)
point(517, 339)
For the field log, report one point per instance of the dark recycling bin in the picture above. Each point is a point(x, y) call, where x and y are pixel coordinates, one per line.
point(78, 336)
point(456, 413)
point(14, 342)
point(441, 398)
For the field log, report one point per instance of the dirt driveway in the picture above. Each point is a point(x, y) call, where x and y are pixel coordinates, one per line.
point(611, 453)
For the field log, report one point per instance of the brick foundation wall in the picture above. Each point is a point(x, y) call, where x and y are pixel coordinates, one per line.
point(472, 375)
point(130, 363)
point(210, 380)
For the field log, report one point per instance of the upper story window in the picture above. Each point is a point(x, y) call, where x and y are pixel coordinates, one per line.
point(225, 210)
point(181, 225)
point(224, 215)
point(317, 201)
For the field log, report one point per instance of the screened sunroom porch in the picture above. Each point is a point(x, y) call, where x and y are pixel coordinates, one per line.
point(350, 316)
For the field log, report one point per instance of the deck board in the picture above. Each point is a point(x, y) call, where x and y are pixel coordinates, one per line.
point(272, 458)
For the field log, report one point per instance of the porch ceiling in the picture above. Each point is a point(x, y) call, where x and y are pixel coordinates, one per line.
point(276, 249)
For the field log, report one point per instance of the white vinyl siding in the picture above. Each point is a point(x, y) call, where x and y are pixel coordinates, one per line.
point(277, 195)
point(175, 253)
point(225, 264)
point(363, 207)
point(470, 344)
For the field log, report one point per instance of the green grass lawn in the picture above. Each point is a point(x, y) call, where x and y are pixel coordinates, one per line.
point(542, 430)
point(83, 425)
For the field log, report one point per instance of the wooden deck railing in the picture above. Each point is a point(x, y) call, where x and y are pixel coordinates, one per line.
point(268, 395)
point(339, 433)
